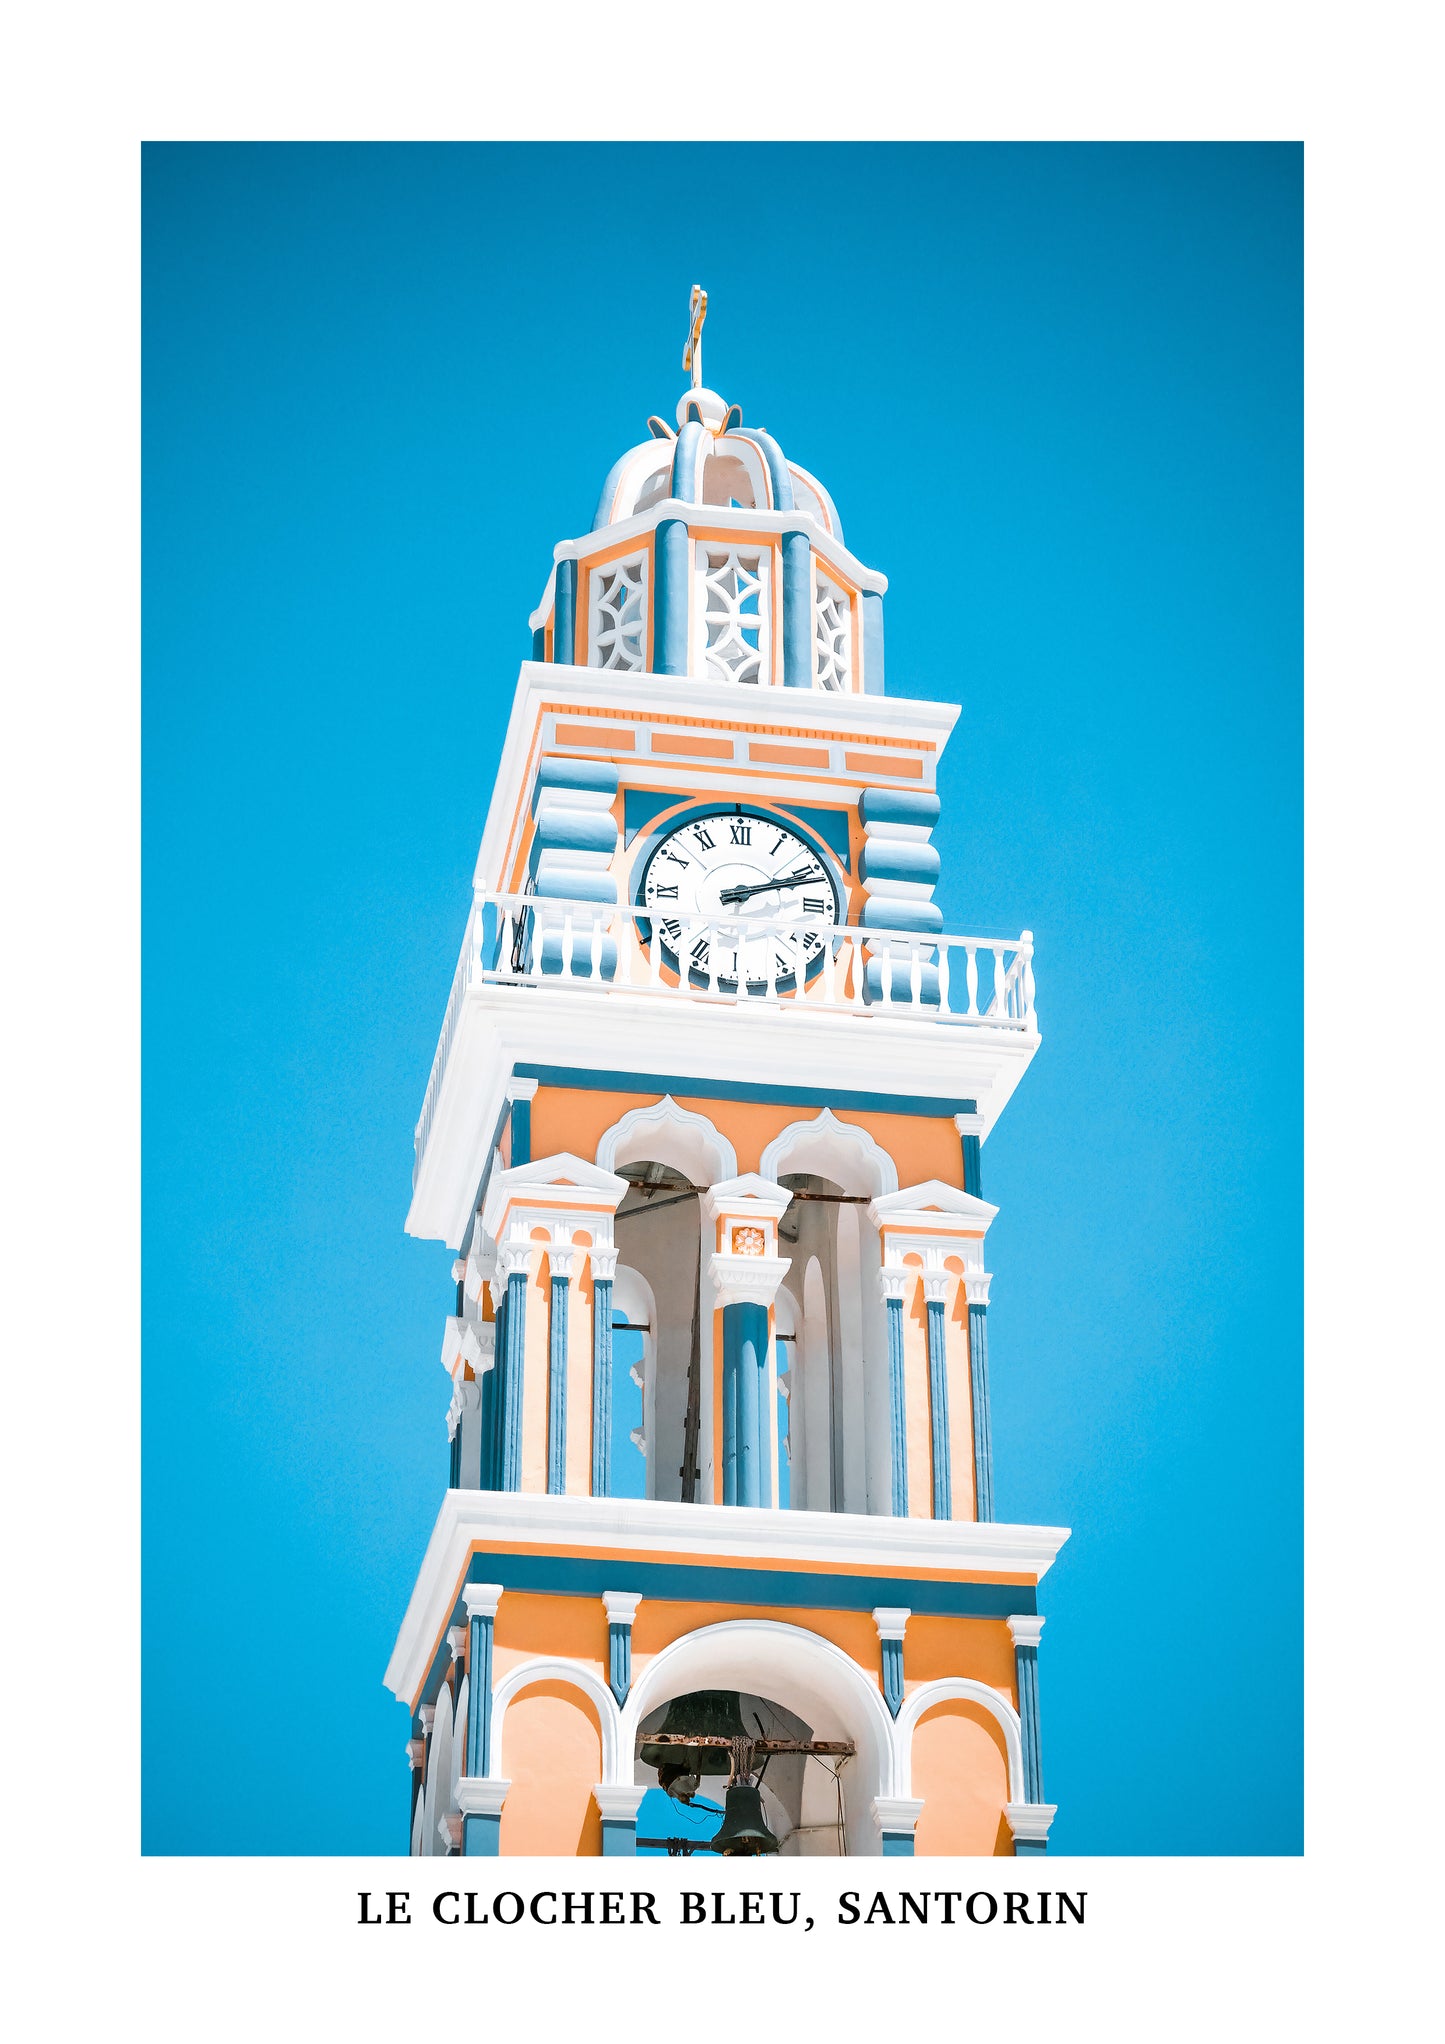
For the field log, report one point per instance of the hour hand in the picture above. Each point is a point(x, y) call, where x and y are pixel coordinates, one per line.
point(806, 873)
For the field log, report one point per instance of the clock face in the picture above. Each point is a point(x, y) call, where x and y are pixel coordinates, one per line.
point(732, 893)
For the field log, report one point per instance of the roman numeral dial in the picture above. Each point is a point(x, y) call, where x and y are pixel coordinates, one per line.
point(734, 893)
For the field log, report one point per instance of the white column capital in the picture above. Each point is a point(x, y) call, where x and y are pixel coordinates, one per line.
point(749, 1198)
point(519, 1089)
point(512, 1256)
point(481, 1599)
point(970, 1124)
point(416, 1754)
point(891, 1621)
point(935, 1286)
point(481, 1795)
point(621, 1606)
point(427, 1714)
point(1030, 1820)
point(893, 1280)
point(1026, 1631)
point(619, 1801)
point(449, 1830)
point(976, 1284)
point(746, 1280)
point(897, 1813)
point(603, 1256)
point(457, 1640)
point(561, 1254)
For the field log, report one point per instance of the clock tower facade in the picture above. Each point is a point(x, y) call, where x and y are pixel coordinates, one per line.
point(705, 1129)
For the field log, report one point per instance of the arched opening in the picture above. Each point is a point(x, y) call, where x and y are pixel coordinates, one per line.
point(803, 1679)
point(801, 1793)
point(961, 1771)
point(659, 1233)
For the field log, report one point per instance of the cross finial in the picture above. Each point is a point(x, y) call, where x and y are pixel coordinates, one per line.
point(692, 353)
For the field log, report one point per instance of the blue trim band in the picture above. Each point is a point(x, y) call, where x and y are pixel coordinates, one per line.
point(897, 1410)
point(938, 1411)
point(669, 597)
point(982, 1427)
point(587, 776)
point(557, 1387)
point(915, 806)
point(586, 1079)
point(547, 1575)
point(601, 1387)
point(619, 1838)
point(797, 580)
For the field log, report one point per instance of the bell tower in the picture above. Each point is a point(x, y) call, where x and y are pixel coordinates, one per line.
point(705, 1129)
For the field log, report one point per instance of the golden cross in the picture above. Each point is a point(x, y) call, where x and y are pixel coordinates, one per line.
point(692, 353)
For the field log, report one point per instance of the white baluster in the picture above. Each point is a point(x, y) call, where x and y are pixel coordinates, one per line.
point(970, 977)
point(566, 944)
point(887, 964)
point(943, 950)
point(595, 958)
point(829, 1000)
point(654, 973)
point(915, 973)
point(1026, 946)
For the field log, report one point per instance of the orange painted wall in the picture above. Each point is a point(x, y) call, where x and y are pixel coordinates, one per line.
point(553, 1757)
point(921, 1146)
point(960, 1769)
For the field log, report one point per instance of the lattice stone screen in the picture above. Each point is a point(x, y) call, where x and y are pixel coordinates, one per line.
point(735, 611)
point(617, 628)
point(832, 635)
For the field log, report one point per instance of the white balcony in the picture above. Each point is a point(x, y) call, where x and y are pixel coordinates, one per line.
point(573, 955)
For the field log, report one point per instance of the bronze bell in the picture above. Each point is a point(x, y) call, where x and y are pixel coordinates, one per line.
point(710, 1713)
point(743, 1829)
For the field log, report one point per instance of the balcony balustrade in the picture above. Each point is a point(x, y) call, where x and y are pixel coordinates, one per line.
point(550, 949)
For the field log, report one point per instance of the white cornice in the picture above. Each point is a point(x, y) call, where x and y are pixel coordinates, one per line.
point(932, 1205)
point(1025, 1630)
point(1030, 1820)
point(716, 1534)
point(871, 719)
point(481, 1795)
point(611, 1030)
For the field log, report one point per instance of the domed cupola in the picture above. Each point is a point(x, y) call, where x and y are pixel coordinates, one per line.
point(713, 556)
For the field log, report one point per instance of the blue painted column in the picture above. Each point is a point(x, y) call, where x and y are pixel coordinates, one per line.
point(520, 1094)
point(621, 1607)
point(561, 1261)
point(977, 1285)
point(564, 620)
point(514, 1365)
point(618, 1803)
point(480, 1601)
point(671, 561)
point(892, 1279)
point(892, 1622)
point(798, 623)
point(897, 1816)
point(1025, 1630)
point(935, 1287)
point(970, 1129)
point(872, 606)
point(602, 1260)
point(745, 1332)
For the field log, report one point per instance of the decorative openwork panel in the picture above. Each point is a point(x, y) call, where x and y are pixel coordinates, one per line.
point(832, 635)
point(618, 622)
point(735, 613)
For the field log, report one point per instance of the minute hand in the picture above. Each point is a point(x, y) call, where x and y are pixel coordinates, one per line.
point(800, 879)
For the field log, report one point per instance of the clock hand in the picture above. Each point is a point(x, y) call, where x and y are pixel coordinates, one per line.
point(735, 894)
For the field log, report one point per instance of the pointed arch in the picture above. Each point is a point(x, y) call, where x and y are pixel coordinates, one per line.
point(831, 1148)
point(672, 1135)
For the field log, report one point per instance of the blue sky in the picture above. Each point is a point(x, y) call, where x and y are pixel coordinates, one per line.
point(1055, 392)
